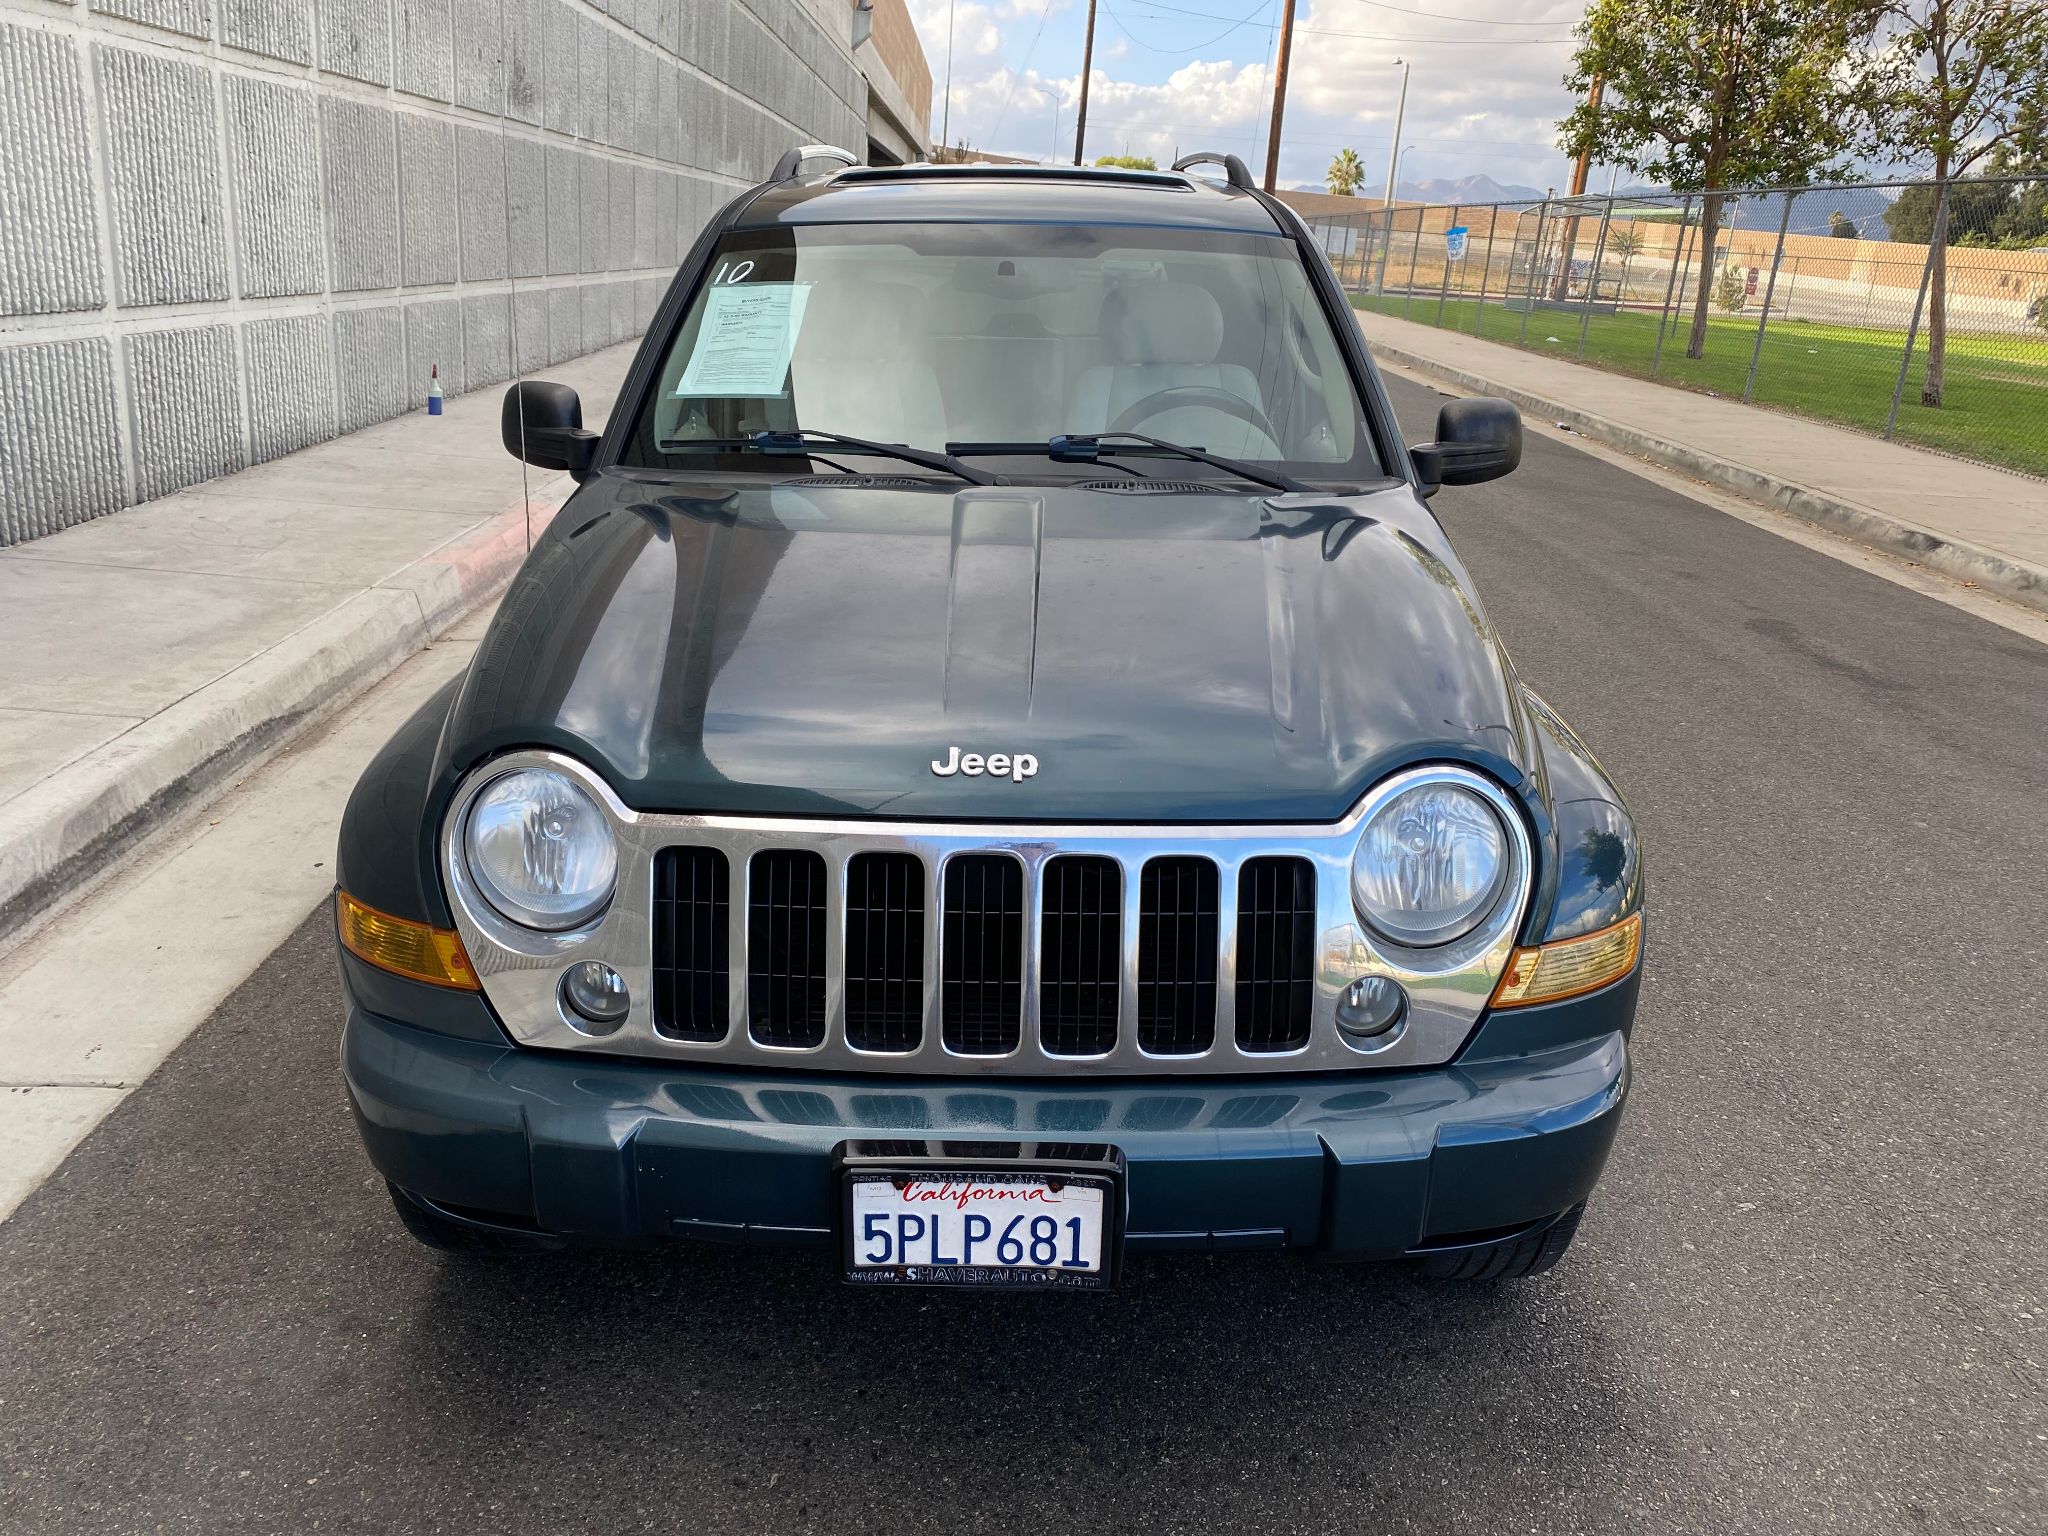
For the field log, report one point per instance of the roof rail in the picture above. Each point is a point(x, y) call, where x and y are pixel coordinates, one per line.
point(1233, 168)
point(791, 163)
point(924, 171)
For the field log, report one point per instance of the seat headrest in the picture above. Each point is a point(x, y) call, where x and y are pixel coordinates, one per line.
point(1163, 323)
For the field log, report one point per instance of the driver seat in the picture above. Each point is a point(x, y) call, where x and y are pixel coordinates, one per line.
point(1163, 336)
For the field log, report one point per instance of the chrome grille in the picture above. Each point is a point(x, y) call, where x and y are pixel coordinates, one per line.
point(1276, 954)
point(868, 946)
point(1177, 957)
point(981, 973)
point(692, 944)
point(786, 911)
point(1080, 956)
point(884, 951)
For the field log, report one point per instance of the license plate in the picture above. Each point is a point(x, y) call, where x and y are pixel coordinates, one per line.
point(979, 1228)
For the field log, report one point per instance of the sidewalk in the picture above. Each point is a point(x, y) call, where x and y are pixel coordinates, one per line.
point(1965, 520)
point(154, 653)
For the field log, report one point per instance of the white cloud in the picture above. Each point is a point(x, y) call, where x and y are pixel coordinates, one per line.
point(1197, 98)
point(976, 34)
point(1471, 108)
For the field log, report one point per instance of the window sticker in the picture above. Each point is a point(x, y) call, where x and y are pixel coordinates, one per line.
point(746, 341)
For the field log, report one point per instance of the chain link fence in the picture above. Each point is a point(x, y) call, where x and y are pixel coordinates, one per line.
point(1911, 310)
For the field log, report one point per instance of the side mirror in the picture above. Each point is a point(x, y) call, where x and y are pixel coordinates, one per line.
point(1476, 440)
point(543, 424)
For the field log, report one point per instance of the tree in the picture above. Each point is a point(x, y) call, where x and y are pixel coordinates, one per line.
point(1842, 227)
point(1625, 242)
point(1130, 162)
point(1346, 173)
point(1952, 79)
point(1704, 95)
point(1974, 204)
point(2025, 153)
point(1732, 292)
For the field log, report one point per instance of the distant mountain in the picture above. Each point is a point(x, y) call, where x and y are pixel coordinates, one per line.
point(1863, 206)
point(1465, 189)
point(1470, 189)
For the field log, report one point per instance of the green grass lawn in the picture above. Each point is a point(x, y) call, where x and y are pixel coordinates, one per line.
point(1996, 396)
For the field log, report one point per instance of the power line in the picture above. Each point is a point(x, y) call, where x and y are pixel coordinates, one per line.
point(1009, 95)
point(1251, 133)
point(1123, 27)
point(1482, 21)
point(1384, 37)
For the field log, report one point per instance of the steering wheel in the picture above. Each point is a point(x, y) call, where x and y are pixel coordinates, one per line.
point(1159, 402)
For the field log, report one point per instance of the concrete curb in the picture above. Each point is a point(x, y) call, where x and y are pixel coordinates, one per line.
point(2020, 580)
point(64, 832)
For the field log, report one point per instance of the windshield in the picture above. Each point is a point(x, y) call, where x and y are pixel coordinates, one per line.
point(1002, 337)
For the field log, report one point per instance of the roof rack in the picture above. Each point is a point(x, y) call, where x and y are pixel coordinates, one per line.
point(999, 172)
point(1234, 170)
point(787, 168)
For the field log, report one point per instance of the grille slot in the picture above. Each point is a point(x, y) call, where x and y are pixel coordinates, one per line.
point(692, 944)
point(1276, 953)
point(885, 951)
point(786, 948)
point(981, 977)
point(1080, 956)
point(1177, 956)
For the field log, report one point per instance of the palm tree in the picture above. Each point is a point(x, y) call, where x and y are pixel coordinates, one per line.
point(1346, 173)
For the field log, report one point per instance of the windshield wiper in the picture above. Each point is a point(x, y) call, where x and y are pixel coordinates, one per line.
point(1088, 448)
point(793, 442)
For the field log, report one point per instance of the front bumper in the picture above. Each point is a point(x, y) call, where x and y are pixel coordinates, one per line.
point(1357, 1166)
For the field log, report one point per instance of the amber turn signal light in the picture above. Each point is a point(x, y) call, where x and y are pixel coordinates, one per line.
point(404, 948)
point(1551, 972)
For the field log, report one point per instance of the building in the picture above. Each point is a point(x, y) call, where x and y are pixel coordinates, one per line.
point(232, 228)
point(899, 85)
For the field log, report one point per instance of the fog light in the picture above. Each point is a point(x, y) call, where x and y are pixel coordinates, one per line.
point(597, 996)
point(1371, 1006)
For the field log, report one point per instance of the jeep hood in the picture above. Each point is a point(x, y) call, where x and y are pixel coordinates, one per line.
point(813, 649)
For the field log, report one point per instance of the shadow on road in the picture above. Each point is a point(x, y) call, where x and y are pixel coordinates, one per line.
point(222, 1323)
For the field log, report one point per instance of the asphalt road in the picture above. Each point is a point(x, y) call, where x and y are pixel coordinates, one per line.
point(1809, 1296)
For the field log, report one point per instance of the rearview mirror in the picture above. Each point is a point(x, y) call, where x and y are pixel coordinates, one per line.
point(1476, 440)
point(543, 424)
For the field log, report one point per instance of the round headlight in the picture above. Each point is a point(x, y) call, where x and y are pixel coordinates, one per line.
point(1430, 865)
point(541, 850)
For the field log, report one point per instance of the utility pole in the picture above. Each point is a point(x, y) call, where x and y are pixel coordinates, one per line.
point(1393, 177)
point(1280, 92)
point(1583, 166)
point(946, 110)
point(1394, 149)
point(1581, 169)
point(1087, 69)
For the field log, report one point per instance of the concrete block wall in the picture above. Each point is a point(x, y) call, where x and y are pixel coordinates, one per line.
point(232, 228)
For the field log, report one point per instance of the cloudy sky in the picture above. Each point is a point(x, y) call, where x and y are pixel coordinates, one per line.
point(1484, 94)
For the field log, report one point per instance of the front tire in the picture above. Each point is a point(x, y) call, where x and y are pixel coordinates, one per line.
point(1514, 1258)
point(444, 1234)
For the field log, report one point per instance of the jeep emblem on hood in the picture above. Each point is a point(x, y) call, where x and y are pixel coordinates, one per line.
point(1015, 766)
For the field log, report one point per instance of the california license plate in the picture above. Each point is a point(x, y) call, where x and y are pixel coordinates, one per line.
point(979, 1228)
